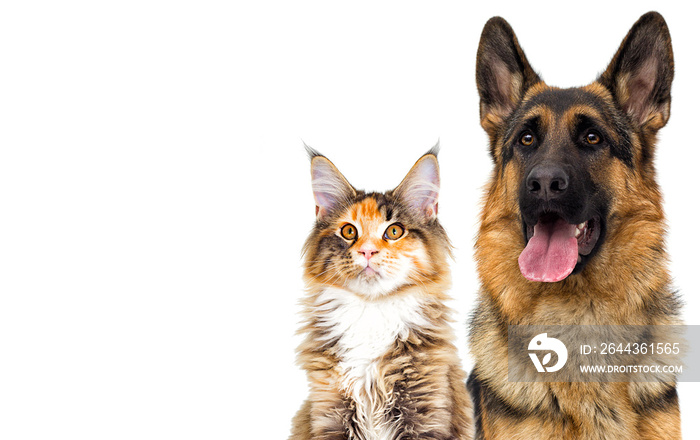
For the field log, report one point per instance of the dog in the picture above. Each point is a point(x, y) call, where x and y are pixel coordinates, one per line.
point(572, 233)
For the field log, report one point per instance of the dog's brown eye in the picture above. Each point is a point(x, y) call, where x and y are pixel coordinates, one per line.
point(527, 139)
point(593, 138)
point(393, 232)
point(348, 231)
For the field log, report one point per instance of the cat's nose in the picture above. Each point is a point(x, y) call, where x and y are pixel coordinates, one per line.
point(368, 252)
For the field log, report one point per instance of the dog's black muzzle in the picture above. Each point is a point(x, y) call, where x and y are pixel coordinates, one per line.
point(553, 190)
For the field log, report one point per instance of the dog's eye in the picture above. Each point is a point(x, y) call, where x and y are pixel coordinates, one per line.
point(348, 231)
point(527, 139)
point(593, 138)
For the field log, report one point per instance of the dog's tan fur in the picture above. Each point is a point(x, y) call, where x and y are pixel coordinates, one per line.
point(626, 282)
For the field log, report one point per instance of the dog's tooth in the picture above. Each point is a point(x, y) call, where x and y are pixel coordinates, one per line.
point(581, 225)
point(578, 233)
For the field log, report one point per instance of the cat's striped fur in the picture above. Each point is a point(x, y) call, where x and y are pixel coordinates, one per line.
point(379, 350)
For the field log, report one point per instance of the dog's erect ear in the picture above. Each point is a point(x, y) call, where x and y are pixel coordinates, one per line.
point(640, 74)
point(503, 73)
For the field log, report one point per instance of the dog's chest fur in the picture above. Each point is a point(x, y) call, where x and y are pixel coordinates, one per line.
point(365, 331)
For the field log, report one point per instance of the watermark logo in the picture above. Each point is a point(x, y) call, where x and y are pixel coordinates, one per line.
point(603, 353)
point(542, 343)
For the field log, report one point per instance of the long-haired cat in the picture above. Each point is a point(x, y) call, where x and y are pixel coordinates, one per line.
point(378, 350)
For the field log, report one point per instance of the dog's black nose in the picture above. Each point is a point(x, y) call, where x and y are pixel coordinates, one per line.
point(547, 181)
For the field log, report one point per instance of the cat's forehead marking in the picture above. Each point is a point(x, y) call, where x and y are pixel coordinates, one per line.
point(366, 209)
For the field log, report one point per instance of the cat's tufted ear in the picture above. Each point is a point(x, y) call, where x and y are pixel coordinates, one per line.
point(330, 187)
point(420, 188)
point(640, 74)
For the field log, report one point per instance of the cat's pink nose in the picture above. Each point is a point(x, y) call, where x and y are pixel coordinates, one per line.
point(368, 252)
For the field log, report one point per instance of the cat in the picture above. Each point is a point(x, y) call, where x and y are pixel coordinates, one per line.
point(378, 351)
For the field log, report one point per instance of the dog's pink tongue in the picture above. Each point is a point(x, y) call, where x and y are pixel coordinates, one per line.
point(551, 253)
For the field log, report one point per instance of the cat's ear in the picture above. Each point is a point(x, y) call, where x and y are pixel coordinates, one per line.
point(640, 74)
point(420, 188)
point(330, 187)
point(503, 74)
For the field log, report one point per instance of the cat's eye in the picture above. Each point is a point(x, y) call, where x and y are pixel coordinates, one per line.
point(593, 138)
point(348, 231)
point(394, 232)
point(527, 139)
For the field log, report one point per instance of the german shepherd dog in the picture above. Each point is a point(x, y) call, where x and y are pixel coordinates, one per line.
point(572, 232)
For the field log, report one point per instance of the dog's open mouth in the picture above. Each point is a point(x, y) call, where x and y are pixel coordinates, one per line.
point(554, 247)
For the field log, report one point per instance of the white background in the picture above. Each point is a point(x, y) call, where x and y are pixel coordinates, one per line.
point(155, 196)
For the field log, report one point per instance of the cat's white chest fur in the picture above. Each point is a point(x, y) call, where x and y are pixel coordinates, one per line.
point(366, 330)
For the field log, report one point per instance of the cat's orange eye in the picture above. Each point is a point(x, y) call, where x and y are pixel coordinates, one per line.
point(348, 232)
point(394, 232)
